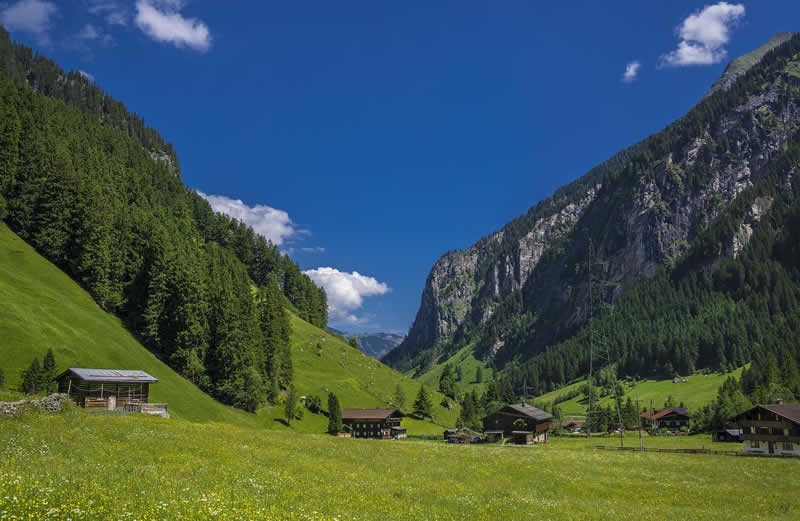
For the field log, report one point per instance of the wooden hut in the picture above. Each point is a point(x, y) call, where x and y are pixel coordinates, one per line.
point(109, 389)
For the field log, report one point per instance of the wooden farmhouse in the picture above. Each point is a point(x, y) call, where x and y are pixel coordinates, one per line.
point(521, 422)
point(771, 429)
point(671, 418)
point(374, 423)
point(110, 389)
point(573, 425)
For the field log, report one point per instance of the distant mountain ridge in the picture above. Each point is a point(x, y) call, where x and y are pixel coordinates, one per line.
point(373, 344)
point(683, 200)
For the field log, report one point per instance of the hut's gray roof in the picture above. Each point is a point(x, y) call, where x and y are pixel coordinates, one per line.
point(112, 375)
point(530, 411)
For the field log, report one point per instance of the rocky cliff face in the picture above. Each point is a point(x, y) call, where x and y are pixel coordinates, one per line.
point(639, 220)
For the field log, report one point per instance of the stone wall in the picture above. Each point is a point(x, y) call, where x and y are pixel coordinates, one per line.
point(52, 404)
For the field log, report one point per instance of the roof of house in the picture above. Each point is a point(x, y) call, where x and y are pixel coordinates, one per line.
point(369, 414)
point(572, 422)
point(111, 375)
point(660, 413)
point(791, 411)
point(530, 411)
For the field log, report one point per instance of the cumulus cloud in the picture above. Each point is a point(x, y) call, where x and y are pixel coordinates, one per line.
point(631, 70)
point(704, 34)
point(29, 16)
point(271, 223)
point(346, 292)
point(163, 22)
point(86, 75)
point(113, 11)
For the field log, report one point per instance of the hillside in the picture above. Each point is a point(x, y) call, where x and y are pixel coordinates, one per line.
point(357, 379)
point(697, 391)
point(680, 244)
point(186, 471)
point(44, 309)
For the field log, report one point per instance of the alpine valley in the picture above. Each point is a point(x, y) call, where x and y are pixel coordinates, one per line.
point(678, 253)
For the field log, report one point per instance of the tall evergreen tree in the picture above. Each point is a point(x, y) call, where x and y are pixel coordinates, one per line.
point(48, 374)
point(334, 415)
point(422, 404)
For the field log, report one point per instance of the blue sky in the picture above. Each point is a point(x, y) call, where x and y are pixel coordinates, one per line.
point(369, 138)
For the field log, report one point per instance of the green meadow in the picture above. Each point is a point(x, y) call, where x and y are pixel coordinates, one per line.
point(79, 467)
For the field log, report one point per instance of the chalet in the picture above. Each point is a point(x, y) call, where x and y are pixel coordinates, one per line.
point(771, 429)
point(110, 389)
point(573, 425)
point(520, 417)
point(671, 418)
point(374, 423)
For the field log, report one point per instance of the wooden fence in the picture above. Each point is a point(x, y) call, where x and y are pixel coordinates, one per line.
point(697, 451)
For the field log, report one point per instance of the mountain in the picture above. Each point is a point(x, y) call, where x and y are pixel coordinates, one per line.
point(378, 344)
point(373, 344)
point(44, 309)
point(99, 194)
point(653, 228)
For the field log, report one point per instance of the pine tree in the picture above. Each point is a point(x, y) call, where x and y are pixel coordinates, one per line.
point(447, 384)
point(353, 341)
point(2, 378)
point(32, 377)
point(290, 409)
point(422, 404)
point(334, 415)
point(478, 375)
point(399, 397)
point(48, 374)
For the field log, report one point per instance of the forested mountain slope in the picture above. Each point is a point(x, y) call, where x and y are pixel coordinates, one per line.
point(44, 309)
point(691, 230)
point(95, 191)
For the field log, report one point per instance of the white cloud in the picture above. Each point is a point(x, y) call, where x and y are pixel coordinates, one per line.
point(113, 11)
point(86, 75)
point(346, 292)
point(162, 21)
point(313, 249)
point(89, 32)
point(704, 34)
point(631, 70)
point(29, 16)
point(271, 223)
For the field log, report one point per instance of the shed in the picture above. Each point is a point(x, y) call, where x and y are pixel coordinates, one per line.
point(106, 388)
point(522, 437)
point(727, 435)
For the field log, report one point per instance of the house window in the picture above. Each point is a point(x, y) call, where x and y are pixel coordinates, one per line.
point(788, 446)
point(755, 444)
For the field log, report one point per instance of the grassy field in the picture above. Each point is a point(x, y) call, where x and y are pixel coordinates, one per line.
point(43, 308)
point(696, 392)
point(74, 466)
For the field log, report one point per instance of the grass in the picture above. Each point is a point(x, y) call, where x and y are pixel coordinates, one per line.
point(80, 467)
point(465, 359)
point(43, 308)
point(699, 390)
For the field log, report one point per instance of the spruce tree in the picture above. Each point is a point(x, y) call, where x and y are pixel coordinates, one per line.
point(48, 374)
point(399, 397)
point(334, 415)
point(32, 377)
point(478, 375)
point(290, 409)
point(422, 404)
point(2, 378)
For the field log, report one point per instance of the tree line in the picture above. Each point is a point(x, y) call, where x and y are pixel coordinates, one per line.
point(201, 290)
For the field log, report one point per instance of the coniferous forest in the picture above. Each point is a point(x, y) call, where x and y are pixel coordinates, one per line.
point(99, 194)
